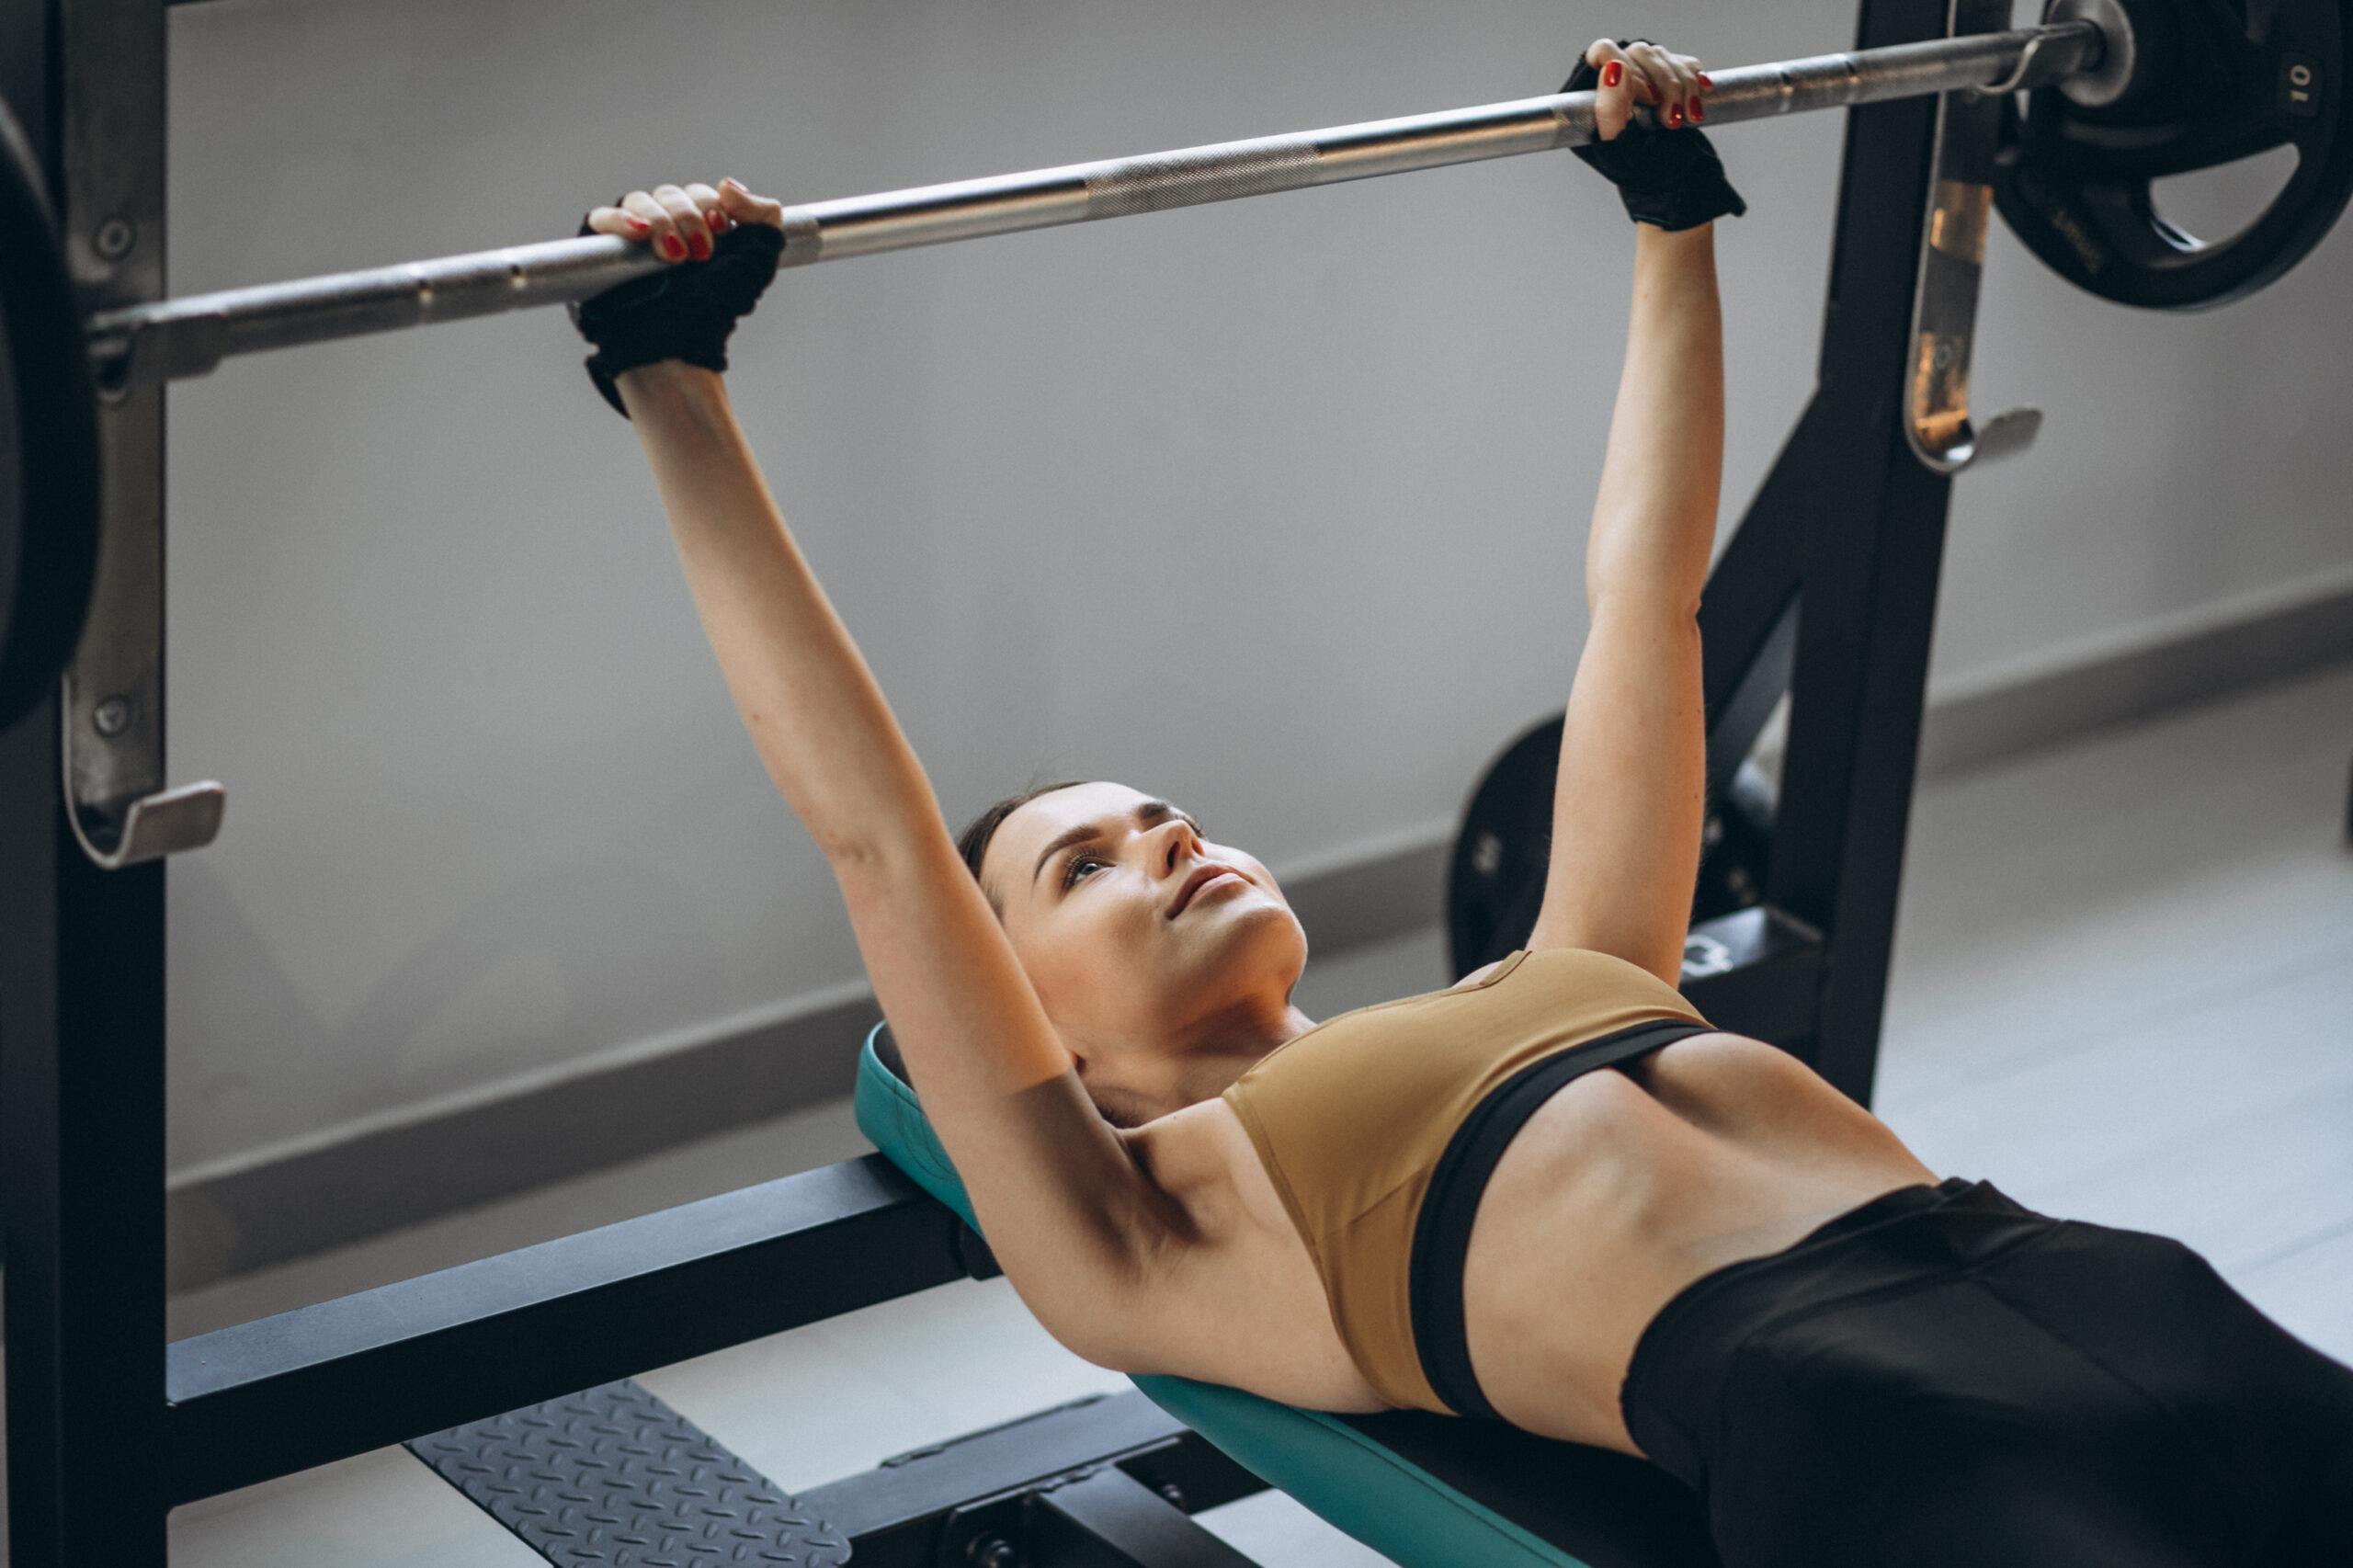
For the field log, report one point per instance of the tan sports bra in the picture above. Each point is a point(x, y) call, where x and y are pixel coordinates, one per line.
point(1351, 1119)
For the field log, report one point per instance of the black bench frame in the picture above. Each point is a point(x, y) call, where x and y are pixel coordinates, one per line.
point(108, 1427)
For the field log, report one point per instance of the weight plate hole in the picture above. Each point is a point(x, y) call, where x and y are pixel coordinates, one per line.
point(2214, 204)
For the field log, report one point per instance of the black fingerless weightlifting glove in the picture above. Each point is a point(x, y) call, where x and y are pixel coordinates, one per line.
point(684, 311)
point(1670, 178)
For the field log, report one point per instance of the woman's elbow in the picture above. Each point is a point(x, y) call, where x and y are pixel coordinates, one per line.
point(877, 848)
point(1669, 579)
point(1099, 1329)
point(1656, 610)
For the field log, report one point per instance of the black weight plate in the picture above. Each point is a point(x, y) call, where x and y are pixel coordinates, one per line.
point(49, 442)
point(2220, 80)
point(1495, 878)
point(1735, 847)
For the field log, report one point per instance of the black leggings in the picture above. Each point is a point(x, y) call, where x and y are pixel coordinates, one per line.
point(1943, 1379)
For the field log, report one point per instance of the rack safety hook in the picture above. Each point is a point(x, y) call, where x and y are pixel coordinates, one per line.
point(152, 826)
point(121, 810)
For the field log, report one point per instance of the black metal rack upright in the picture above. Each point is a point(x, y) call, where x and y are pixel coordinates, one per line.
point(1828, 591)
point(82, 950)
point(1844, 539)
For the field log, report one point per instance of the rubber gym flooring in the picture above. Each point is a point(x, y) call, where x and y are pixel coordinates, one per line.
point(2124, 991)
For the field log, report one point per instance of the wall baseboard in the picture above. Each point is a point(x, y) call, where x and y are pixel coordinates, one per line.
point(382, 1179)
point(308, 1201)
point(2144, 671)
point(311, 1200)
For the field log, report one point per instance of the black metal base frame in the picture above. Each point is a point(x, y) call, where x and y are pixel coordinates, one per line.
point(1845, 535)
point(613, 1478)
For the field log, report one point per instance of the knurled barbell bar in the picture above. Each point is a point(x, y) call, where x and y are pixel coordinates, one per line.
point(2117, 94)
point(175, 338)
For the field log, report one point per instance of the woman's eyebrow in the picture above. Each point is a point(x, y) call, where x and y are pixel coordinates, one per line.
point(1061, 841)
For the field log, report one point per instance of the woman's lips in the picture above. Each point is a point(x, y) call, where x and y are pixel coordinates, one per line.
point(1196, 882)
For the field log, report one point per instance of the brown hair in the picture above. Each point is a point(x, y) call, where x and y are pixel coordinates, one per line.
point(973, 842)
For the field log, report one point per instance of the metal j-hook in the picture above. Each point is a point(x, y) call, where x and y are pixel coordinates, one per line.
point(117, 797)
point(1952, 260)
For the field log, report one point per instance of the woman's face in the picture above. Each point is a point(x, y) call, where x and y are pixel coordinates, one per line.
point(1139, 935)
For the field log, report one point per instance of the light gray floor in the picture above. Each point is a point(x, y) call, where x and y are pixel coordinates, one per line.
point(2123, 982)
point(2123, 990)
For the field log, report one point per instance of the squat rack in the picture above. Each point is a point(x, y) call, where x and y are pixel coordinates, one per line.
point(109, 1427)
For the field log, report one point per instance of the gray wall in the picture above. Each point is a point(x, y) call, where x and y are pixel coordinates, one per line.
point(1277, 507)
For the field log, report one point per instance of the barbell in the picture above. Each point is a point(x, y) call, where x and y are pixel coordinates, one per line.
point(2118, 93)
point(2105, 96)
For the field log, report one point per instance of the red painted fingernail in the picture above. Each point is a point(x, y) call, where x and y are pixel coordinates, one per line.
point(1612, 74)
point(638, 225)
point(1706, 82)
point(1673, 117)
point(671, 249)
point(1699, 111)
point(702, 246)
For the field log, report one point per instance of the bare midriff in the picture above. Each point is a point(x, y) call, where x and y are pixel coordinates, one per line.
point(1621, 1190)
point(1627, 1186)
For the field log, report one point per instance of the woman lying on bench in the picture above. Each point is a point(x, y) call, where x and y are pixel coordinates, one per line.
point(1551, 1194)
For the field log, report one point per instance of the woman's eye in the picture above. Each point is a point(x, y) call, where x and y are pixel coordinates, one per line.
point(1079, 865)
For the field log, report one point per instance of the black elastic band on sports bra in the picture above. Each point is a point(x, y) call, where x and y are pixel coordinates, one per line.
point(1442, 1234)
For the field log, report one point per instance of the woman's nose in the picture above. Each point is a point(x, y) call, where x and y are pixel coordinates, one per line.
point(1176, 839)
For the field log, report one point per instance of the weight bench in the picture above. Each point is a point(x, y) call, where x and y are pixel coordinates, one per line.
point(1424, 1491)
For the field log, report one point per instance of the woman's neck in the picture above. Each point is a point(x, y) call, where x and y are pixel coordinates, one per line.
point(1203, 1062)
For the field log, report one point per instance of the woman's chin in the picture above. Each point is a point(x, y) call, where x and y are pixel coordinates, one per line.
point(1246, 940)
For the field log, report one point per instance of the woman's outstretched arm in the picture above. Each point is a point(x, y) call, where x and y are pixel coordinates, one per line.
point(1631, 797)
point(1065, 1207)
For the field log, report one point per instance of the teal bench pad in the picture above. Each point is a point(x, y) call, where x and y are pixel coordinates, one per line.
point(1424, 1491)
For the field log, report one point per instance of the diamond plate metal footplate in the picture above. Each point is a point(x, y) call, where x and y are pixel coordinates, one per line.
point(613, 1478)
